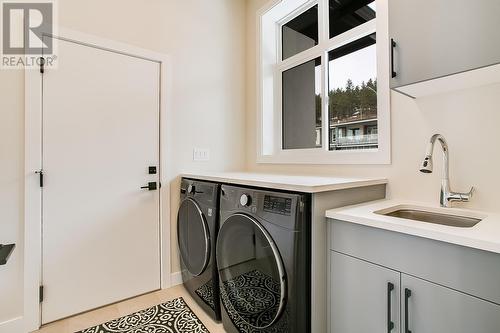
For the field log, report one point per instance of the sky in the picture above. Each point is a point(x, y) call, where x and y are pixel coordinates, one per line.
point(359, 66)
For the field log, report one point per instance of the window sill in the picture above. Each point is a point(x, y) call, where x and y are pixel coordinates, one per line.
point(322, 157)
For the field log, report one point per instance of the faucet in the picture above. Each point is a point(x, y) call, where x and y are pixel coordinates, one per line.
point(447, 195)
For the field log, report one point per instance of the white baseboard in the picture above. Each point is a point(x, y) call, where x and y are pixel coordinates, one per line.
point(14, 325)
point(176, 278)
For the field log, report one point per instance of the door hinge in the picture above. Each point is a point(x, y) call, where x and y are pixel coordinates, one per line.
point(40, 294)
point(40, 175)
point(42, 65)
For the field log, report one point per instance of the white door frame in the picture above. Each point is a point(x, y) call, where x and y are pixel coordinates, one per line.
point(33, 158)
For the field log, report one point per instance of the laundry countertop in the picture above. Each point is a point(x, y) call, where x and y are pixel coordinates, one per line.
point(295, 183)
point(485, 235)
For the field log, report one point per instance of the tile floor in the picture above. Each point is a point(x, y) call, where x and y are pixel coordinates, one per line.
point(110, 312)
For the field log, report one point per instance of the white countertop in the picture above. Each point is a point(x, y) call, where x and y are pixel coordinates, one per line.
point(484, 236)
point(305, 184)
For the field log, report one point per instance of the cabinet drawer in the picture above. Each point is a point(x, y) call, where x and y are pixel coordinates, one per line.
point(472, 271)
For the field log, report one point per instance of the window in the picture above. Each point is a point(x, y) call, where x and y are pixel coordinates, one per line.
point(324, 82)
point(302, 106)
point(352, 95)
point(300, 34)
point(347, 14)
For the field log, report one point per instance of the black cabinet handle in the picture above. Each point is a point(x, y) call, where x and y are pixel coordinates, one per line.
point(393, 45)
point(407, 296)
point(390, 324)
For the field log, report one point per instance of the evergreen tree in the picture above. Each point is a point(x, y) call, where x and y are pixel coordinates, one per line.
point(358, 101)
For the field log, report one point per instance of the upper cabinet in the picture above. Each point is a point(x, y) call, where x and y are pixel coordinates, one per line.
point(439, 44)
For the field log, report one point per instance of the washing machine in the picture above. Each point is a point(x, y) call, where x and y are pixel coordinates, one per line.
point(264, 260)
point(197, 228)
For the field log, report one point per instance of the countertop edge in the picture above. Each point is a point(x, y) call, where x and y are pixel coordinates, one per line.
point(437, 235)
point(290, 187)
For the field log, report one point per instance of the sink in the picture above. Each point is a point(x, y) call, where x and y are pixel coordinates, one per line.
point(452, 219)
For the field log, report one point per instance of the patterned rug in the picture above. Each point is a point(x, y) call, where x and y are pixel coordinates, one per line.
point(170, 317)
point(253, 298)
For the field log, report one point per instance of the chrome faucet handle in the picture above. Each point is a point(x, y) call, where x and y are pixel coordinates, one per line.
point(459, 196)
point(467, 196)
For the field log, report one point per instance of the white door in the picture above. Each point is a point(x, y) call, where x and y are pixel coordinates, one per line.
point(100, 136)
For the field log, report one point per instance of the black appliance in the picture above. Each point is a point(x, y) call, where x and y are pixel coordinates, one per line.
point(197, 227)
point(264, 260)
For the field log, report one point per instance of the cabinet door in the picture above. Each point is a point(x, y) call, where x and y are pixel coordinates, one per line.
point(440, 37)
point(363, 297)
point(431, 308)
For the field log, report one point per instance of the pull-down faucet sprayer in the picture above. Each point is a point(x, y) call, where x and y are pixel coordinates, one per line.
point(447, 195)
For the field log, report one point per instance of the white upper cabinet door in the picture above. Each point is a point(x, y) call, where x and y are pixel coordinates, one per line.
point(100, 135)
point(435, 38)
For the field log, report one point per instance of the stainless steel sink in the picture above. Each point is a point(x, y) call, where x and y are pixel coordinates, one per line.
point(433, 217)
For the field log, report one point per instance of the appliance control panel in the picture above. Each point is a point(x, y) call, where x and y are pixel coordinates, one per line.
point(278, 205)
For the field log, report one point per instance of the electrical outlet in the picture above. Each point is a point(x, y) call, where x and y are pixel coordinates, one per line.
point(201, 154)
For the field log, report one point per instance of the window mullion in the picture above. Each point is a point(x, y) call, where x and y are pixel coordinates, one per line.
point(323, 7)
point(300, 58)
point(323, 18)
point(324, 102)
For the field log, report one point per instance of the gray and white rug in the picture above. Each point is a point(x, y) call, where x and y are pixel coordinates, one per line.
point(171, 317)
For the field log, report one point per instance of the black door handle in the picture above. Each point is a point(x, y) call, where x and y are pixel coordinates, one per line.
point(5, 252)
point(390, 324)
point(393, 45)
point(151, 186)
point(407, 297)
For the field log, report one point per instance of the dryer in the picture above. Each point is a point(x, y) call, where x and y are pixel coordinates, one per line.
point(197, 228)
point(264, 260)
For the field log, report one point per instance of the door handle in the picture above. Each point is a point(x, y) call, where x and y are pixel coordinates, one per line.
point(407, 297)
point(150, 187)
point(390, 323)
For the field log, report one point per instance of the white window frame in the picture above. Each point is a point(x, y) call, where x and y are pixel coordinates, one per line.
point(269, 84)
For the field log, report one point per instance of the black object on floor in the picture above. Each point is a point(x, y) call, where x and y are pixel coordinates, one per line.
point(197, 227)
point(5, 252)
point(264, 232)
point(171, 317)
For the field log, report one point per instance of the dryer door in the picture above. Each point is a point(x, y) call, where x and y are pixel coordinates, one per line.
point(193, 236)
point(253, 281)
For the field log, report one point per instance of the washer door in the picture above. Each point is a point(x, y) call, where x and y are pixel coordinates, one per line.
point(193, 236)
point(253, 281)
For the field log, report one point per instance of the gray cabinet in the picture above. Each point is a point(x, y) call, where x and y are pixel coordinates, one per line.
point(437, 38)
point(439, 287)
point(436, 309)
point(364, 297)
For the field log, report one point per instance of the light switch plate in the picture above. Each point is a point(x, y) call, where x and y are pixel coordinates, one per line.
point(201, 154)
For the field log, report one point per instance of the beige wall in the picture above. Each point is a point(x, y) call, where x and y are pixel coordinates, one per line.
point(468, 119)
point(206, 42)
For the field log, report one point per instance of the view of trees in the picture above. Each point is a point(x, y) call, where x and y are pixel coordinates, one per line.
point(351, 102)
point(358, 101)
